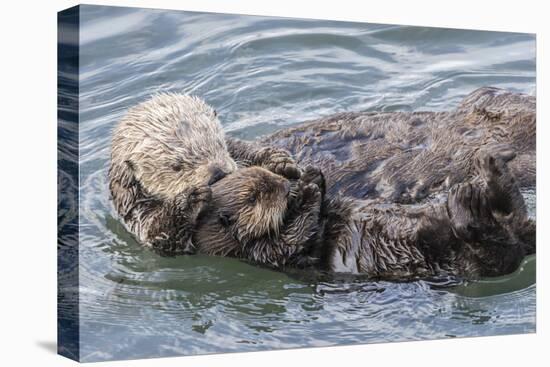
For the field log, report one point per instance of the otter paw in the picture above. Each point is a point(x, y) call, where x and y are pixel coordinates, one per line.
point(304, 194)
point(199, 198)
point(468, 209)
point(311, 194)
point(501, 190)
point(173, 247)
point(185, 247)
point(192, 202)
point(490, 166)
point(280, 162)
point(314, 175)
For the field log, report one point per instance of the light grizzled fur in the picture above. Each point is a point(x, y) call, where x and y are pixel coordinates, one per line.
point(173, 141)
point(165, 153)
point(404, 157)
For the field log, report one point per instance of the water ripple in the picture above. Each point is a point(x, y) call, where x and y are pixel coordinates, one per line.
point(262, 74)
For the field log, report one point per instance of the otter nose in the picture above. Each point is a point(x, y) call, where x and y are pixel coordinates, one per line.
point(216, 175)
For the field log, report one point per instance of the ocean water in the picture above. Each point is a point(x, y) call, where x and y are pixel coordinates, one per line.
point(263, 74)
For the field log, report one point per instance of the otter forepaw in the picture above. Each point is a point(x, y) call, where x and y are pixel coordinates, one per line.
point(311, 194)
point(199, 198)
point(200, 195)
point(192, 202)
point(187, 247)
point(502, 191)
point(490, 166)
point(169, 247)
point(314, 175)
point(305, 195)
point(280, 162)
point(467, 208)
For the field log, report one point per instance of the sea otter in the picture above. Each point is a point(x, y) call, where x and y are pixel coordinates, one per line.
point(166, 152)
point(262, 217)
point(479, 228)
point(404, 157)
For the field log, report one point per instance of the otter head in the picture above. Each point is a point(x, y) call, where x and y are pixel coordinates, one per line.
point(251, 202)
point(172, 142)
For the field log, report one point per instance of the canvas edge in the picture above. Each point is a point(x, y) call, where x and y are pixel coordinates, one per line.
point(68, 323)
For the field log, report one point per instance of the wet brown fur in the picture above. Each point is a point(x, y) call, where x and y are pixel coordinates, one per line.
point(404, 157)
point(430, 201)
point(479, 228)
point(261, 217)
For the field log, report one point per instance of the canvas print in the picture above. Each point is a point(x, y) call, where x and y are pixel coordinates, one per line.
point(232, 183)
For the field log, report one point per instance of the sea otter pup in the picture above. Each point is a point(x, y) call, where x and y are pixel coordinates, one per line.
point(404, 157)
point(479, 228)
point(165, 153)
point(262, 217)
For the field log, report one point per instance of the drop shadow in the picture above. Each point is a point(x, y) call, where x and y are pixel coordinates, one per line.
point(48, 345)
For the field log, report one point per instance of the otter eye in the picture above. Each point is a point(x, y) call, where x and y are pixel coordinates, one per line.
point(252, 199)
point(177, 167)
